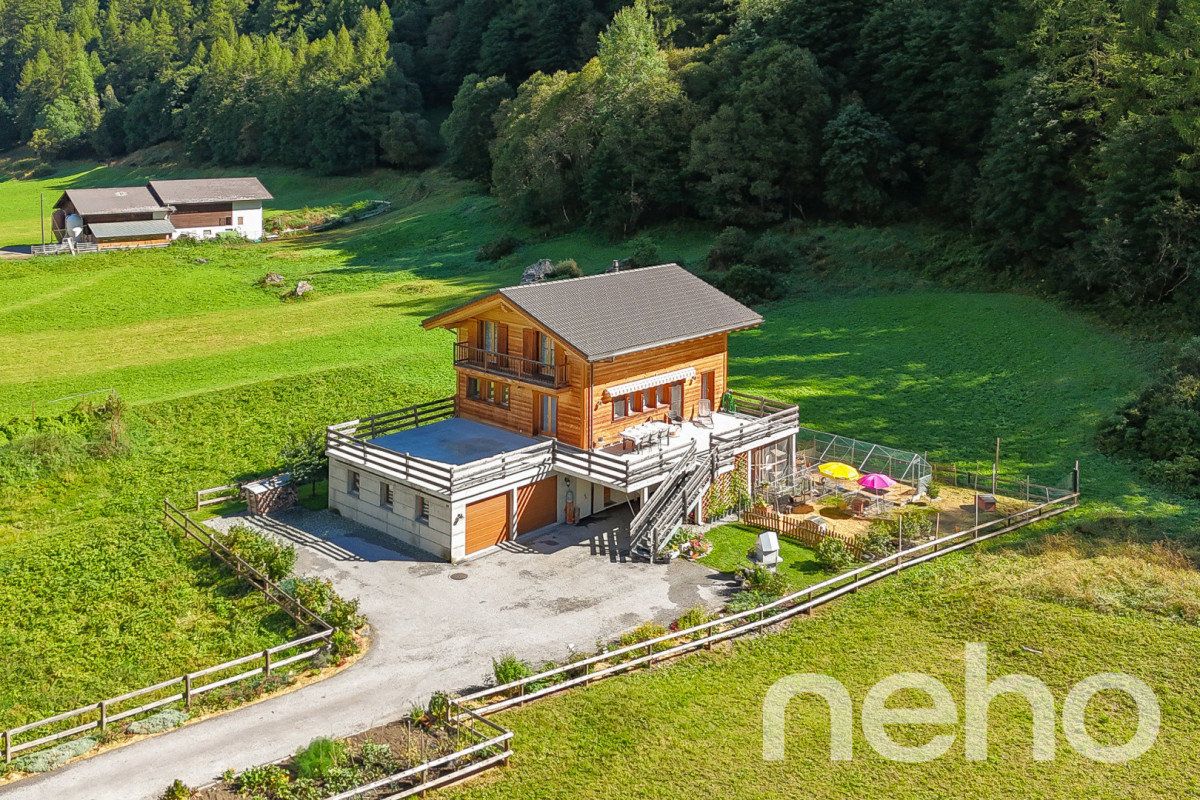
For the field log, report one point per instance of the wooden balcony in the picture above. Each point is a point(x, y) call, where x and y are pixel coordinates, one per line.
point(552, 376)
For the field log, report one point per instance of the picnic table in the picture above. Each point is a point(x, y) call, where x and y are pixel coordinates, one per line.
point(645, 433)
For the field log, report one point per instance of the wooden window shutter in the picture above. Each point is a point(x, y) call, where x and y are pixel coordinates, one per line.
point(529, 344)
point(501, 338)
point(472, 332)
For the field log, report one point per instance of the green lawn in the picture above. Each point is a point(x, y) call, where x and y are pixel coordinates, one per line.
point(732, 542)
point(99, 599)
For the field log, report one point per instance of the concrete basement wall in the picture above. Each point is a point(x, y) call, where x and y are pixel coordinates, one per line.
point(434, 537)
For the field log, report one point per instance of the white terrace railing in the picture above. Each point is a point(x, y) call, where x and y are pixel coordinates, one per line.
point(352, 442)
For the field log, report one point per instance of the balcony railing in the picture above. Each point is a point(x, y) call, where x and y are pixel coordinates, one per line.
point(553, 376)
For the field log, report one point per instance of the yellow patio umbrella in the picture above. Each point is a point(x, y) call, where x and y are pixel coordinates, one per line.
point(836, 469)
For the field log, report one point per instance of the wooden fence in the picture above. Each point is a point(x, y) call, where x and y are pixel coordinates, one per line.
point(184, 688)
point(803, 531)
point(216, 494)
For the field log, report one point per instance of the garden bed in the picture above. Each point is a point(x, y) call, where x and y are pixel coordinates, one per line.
point(328, 767)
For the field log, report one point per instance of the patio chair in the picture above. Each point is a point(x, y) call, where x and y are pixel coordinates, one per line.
point(704, 414)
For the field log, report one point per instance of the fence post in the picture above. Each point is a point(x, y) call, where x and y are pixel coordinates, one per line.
point(7, 747)
point(267, 662)
point(103, 714)
point(187, 691)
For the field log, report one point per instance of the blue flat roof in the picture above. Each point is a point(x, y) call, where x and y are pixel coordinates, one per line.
point(454, 441)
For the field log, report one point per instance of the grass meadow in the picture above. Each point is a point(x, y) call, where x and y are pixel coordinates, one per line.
point(99, 599)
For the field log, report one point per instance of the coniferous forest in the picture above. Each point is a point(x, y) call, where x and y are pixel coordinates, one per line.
point(1062, 132)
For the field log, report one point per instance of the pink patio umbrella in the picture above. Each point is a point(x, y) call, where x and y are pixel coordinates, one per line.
point(876, 480)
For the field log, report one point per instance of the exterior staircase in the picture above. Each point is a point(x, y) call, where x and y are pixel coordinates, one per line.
point(666, 509)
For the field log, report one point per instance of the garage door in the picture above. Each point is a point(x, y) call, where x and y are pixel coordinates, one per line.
point(537, 505)
point(487, 522)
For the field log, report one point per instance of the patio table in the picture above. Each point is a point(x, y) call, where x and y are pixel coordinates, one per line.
point(645, 433)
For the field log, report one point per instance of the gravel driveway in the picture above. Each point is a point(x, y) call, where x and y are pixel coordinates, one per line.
point(434, 626)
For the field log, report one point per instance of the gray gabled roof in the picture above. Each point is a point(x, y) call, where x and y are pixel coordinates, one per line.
point(209, 190)
point(114, 200)
point(131, 228)
point(608, 315)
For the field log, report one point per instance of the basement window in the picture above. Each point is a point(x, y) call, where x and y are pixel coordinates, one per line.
point(352, 482)
point(620, 407)
point(385, 494)
point(422, 511)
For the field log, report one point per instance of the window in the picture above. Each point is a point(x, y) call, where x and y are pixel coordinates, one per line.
point(549, 415)
point(662, 395)
point(208, 234)
point(385, 494)
point(421, 514)
point(352, 482)
point(488, 392)
point(620, 407)
point(241, 220)
point(545, 349)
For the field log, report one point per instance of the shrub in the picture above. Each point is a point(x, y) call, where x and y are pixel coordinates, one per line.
point(564, 269)
point(1161, 427)
point(377, 757)
point(774, 252)
point(835, 502)
point(178, 790)
point(272, 558)
point(757, 578)
point(751, 284)
point(508, 668)
point(729, 248)
point(645, 632)
point(318, 595)
point(746, 600)
point(503, 245)
point(439, 705)
point(54, 757)
point(880, 541)
point(264, 781)
point(342, 644)
point(644, 252)
point(696, 615)
point(833, 555)
point(316, 759)
point(164, 720)
point(303, 455)
point(933, 490)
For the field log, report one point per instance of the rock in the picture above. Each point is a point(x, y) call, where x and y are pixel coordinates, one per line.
point(200, 260)
point(537, 272)
point(273, 279)
point(302, 288)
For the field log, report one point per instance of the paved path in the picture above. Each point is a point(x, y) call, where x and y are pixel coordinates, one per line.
point(435, 626)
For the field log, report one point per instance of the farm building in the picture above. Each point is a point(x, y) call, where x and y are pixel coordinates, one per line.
point(157, 213)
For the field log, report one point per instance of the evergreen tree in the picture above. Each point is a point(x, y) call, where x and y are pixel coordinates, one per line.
point(469, 129)
point(862, 162)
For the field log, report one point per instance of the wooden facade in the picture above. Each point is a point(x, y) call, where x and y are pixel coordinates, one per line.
point(501, 392)
point(203, 215)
